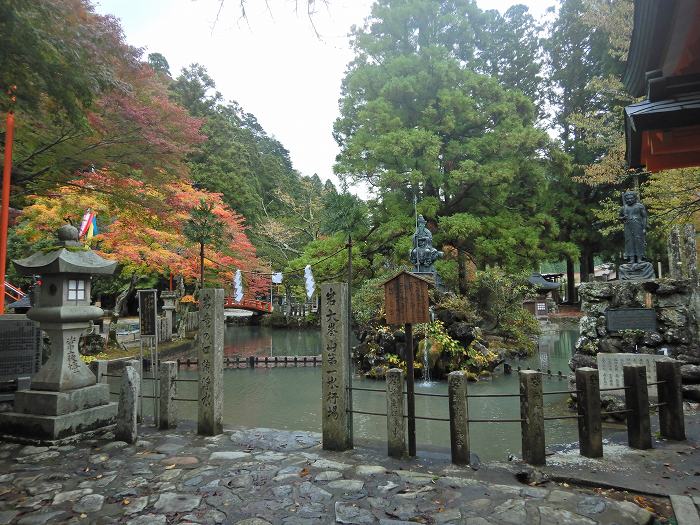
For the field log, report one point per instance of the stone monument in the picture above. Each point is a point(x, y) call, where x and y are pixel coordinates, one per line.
point(643, 319)
point(423, 255)
point(634, 215)
point(64, 399)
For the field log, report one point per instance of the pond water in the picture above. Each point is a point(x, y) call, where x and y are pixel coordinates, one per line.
point(289, 398)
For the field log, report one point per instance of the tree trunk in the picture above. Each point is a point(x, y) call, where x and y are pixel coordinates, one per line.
point(570, 282)
point(118, 305)
point(583, 268)
point(201, 265)
point(462, 270)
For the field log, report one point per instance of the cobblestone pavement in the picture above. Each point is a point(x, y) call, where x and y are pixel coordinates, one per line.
point(260, 476)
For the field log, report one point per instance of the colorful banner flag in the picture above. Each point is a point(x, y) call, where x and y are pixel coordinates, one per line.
point(310, 283)
point(86, 222)
point(92, 229)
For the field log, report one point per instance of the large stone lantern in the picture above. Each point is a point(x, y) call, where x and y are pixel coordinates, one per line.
point(64, 398)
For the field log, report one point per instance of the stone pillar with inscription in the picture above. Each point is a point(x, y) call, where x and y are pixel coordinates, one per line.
point(459, 417)
point(210, 355)
point(65, 398)
point(335, 420)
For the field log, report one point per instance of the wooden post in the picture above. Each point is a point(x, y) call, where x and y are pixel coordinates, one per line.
point(532, 415)
point(395, 422)
point(349, 345)
point(167, 415)
point(5, 208)
point(637, 402)
point(211, 362)
point(671, 419)
point(335, 417)
point(410, 391)
point(251, 361)
point(459, 417)
point(590, 430)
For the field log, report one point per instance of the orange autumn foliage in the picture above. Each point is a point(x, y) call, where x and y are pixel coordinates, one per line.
point(142, 226)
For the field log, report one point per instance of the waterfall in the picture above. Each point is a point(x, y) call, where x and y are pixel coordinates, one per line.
point(426, 360)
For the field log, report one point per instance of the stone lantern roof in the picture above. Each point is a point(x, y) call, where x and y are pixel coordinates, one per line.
point(68, 255)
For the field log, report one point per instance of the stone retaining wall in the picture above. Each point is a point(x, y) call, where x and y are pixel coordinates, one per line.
point(677, 304)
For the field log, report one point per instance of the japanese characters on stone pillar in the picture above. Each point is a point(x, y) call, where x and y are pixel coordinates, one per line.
point(211, 361)
point(337, 434)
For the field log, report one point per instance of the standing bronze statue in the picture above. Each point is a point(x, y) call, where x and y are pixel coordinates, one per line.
point(634, 215)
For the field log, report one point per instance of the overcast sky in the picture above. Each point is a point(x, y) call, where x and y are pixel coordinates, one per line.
point(273, 63)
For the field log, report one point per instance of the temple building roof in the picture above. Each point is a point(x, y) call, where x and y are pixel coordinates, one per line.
point(663, 131)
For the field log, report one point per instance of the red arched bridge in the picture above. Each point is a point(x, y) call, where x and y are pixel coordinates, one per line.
point(252, 305)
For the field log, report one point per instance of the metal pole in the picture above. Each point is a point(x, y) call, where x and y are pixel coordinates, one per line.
point(5, 211)
point(411, 400)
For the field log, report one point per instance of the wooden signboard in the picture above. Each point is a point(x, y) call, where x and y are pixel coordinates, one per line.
point(147, 312)
point(406, 299)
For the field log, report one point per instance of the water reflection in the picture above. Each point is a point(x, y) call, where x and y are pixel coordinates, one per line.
point(265, 341)
point(290, 398)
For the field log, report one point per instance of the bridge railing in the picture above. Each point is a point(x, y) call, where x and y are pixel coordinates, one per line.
point(13, 292)
point(248, 304)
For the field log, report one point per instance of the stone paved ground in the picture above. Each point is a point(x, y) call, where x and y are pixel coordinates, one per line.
point(262, 476)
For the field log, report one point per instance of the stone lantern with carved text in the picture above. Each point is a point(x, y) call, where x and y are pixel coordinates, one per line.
point(64, 398)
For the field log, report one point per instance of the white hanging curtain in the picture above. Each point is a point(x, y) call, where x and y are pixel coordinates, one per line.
point(238, 286)
point(310, 283)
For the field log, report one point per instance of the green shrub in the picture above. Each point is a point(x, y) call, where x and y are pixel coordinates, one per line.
point(368, 301)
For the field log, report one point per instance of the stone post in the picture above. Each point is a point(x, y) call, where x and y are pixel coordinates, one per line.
point(169, 304)
point(675, 260)
point(137, 365)
point(637, 402)
point(127, 425)
point(167, 415)
point(211, 361)
point(459, 416)
point(101, 369)
point(532, 415)
point(335, 419)
point(590, 431)
point(690, 254)
point(395, 422)
point(671, 419)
